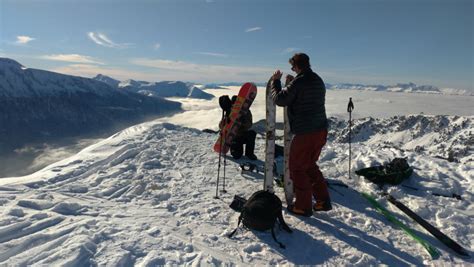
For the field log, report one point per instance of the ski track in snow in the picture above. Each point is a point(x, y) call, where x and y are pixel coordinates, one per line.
point(145, 197)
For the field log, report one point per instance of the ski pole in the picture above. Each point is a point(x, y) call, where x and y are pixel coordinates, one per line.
point(225, 163)
point(350, 107)
point(453, 195)
point(430, 228)
point(220, 155)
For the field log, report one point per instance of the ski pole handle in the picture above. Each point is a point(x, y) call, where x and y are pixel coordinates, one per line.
point(350, 105)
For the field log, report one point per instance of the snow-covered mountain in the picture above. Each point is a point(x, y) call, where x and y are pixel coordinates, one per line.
point(165, 89)
point(161, 89)
point(227, 84)
point(106, 79)
point(124, 201)
point(37, 104)
point(400, 87)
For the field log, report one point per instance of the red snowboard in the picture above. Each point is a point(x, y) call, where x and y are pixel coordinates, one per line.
point(246, 95)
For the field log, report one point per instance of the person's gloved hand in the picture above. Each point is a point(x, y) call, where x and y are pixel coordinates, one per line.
point(289, 78)
point(277, 75)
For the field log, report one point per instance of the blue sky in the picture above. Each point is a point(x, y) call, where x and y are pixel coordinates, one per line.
point(369, 42)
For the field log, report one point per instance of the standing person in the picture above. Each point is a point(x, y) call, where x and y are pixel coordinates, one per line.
point(244, 134)
point(305, 98)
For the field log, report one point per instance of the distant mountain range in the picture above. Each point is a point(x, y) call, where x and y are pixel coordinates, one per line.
point(37, 105)
point(399, 87)
point(161, 89)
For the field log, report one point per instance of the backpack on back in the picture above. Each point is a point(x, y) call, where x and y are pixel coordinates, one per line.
point(260, 212)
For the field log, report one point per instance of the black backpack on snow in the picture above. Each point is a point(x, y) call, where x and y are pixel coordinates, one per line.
point(391, 173)
point(260, 212)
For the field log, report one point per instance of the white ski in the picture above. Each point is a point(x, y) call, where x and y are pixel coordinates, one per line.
point(270, 139)
point(288, 183)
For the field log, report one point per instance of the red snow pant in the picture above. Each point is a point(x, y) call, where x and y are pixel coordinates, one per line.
point(307, 178)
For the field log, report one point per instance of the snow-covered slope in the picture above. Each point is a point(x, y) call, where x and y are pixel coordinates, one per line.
point(37, 104)
point(20, 82)
point(400, 87)
point(145, 197)
point(161, 89)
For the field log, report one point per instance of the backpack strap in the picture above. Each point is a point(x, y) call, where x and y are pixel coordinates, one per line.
point(274, 238)
point(235, 230)
point(283, 223)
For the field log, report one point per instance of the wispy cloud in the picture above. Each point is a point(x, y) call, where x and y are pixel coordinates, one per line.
point(290, 50)
point(102, 40)
point(209, 1)
point(23, 39)
point(157, 46)
point(212, 54)
point(356, 74)
point(253, 29)
point(72, 58)
point(88, 70)
point(182, 70)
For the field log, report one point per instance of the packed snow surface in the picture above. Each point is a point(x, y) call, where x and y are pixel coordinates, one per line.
point(145, 196)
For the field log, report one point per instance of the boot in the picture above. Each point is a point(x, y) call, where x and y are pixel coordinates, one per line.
point(236, 150)
point(250, 146)
point(322, 205)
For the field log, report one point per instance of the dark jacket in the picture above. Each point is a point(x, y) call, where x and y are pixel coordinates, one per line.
point(305, 99)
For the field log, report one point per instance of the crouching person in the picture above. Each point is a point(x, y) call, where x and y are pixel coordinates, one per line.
point(245, 136)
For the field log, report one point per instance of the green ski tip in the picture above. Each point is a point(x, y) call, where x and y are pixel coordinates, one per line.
point(434, 253)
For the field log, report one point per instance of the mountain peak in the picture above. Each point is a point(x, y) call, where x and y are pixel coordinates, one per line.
point(101, 76)
point(9, 63)
point(129, 82)
point(106, 79)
